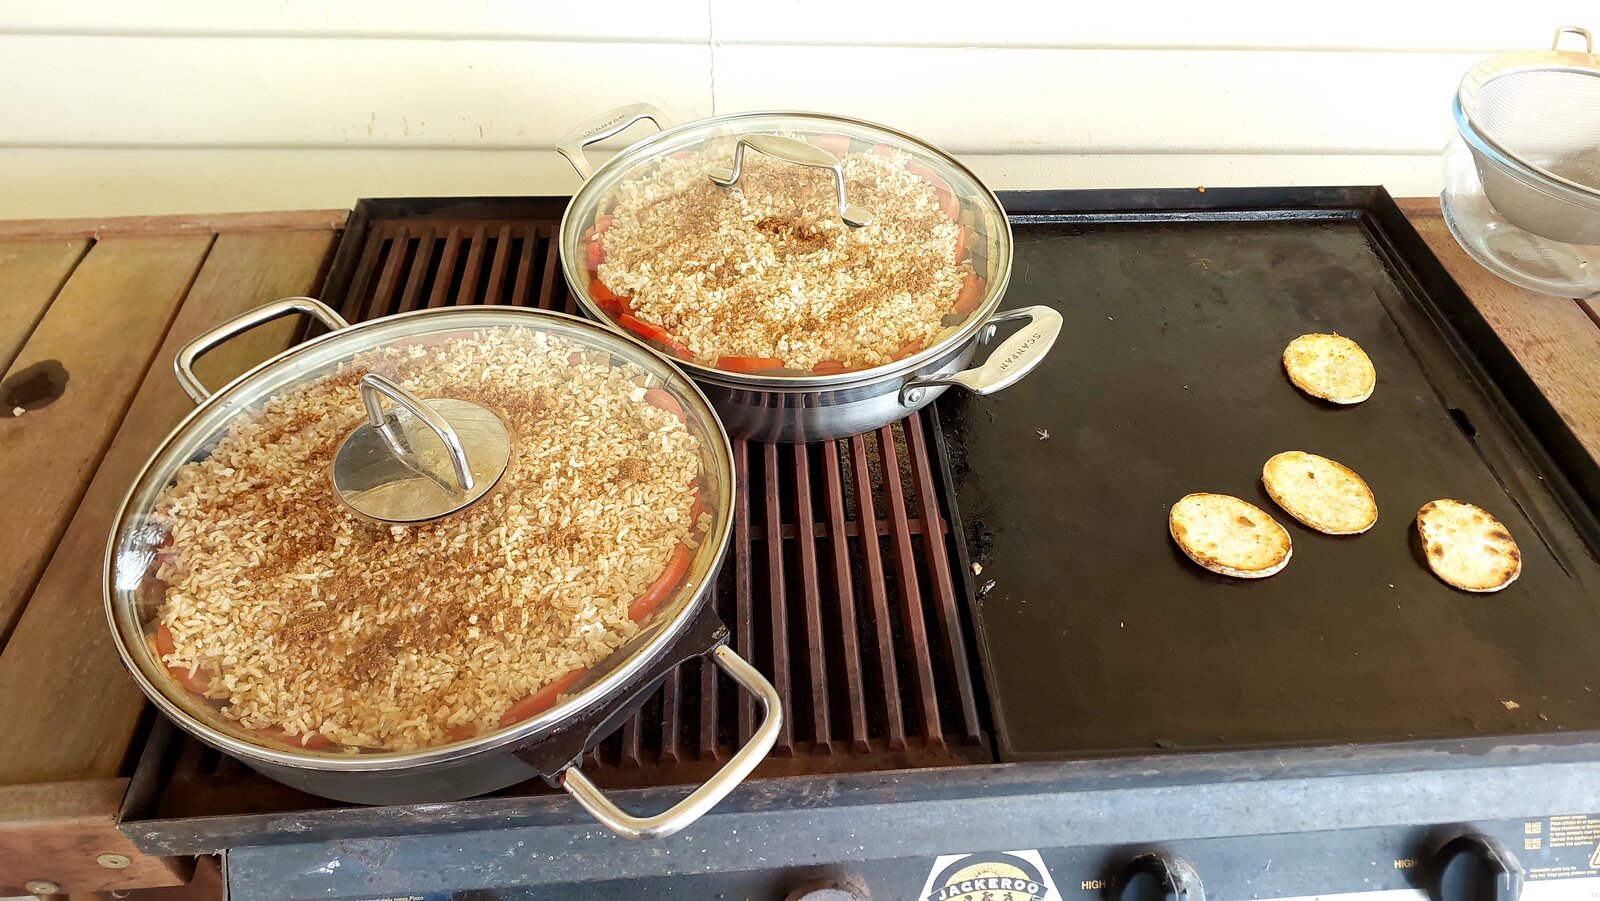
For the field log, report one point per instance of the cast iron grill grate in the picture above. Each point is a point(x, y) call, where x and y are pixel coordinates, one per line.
point(839, 586)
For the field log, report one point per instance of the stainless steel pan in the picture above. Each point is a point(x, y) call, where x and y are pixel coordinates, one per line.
point(790, 406)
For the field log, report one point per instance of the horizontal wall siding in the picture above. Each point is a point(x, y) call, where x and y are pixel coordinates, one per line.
point(265, 92)
point(87, 182)
point(1351, 24)
point(185, 106)
point(994, 100)
point(616, 20)
point(1171, 24)
point(526, 95)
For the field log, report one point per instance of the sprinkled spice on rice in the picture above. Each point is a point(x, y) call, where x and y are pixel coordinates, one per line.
point(301, 619)
point(767, 271)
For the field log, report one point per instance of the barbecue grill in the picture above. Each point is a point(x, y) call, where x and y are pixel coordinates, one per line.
point(999, 677)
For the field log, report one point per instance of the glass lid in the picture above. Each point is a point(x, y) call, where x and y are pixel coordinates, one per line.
point(417, 532)
point(787, 245)
point(1542, 110)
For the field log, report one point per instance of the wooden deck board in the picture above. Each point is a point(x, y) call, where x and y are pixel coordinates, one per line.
point(57, 832)
point(42, 675)
point(31, 274)
point(187, 223)
point(94, 344)
point(1553, 338)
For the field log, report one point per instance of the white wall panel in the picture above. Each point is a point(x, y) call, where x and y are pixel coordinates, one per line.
point(260, 93)
point(1477, 25)
point(614, 20)
point(989, 100)
point(175, 92)
point(100, 182)
point(110, 106)
point(1353, 24)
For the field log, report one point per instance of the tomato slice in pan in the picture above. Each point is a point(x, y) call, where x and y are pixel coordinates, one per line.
point(747, 364)
point(606, 299)
point(196, 681)
point(645, 328)
point(883, 150)
point(695, 509)
point(539, 701)
point(971, 296)
point(462, 732)
point(311, 741)
point(831, 367)
point(599, 291)
point(601, 223)
point(664, 585)
point(836, 144)
point(595, 253)
point(941, 188)
point(909, 348)
point(162, 644)
point(660, 397)
point(653, 332)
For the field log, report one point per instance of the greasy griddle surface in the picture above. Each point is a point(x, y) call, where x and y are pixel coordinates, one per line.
point(1099, 636)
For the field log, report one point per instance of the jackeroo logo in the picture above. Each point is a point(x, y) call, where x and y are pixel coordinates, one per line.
point(990, 876)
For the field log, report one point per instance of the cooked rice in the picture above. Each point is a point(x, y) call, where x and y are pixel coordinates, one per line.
point(767, 269)
point(312, 619)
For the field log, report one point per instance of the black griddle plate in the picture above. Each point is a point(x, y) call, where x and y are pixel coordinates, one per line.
point(1098, 636)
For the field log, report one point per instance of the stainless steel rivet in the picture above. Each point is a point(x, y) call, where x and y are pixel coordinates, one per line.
point(113, 861)
point(41, 887)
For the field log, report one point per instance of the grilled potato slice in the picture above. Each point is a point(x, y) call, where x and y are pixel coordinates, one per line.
point(1467, 547)
point(1229, 536)
point(1324, 494)
point(1331, 367)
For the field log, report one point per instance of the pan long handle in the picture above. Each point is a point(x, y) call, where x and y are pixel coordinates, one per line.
point(1014, 358)
point(184, 362)
point(716, 788)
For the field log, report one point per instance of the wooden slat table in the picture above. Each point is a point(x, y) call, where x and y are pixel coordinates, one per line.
point(90, 316)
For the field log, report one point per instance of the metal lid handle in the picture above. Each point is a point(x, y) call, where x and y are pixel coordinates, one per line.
point(184, 362)
point(1588, 39)
point(604, 126)
point(1014, 358)
point(799, 153)
point(702, 799)
point(373, 386)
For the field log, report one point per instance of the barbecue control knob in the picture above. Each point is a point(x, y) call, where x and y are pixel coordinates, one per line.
point(840, 887)
point(1157, 877)
point(1475, 867)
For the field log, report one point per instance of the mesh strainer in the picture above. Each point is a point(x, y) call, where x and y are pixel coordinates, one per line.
point(1532, 122)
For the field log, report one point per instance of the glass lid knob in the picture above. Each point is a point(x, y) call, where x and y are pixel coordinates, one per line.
point(421, 460)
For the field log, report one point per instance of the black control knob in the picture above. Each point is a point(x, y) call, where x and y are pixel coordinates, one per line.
point(839, 887)
point(1475, 867)
point(1157, 877)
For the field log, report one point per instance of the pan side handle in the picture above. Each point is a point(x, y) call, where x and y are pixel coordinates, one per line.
point(189, 353)
point(713, 790)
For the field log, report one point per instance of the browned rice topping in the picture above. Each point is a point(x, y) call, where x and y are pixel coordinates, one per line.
point(768, 269)
point(387, 637)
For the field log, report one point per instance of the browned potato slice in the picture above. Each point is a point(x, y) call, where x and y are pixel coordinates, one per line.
point(1467, 547)
point(1229, 536)
point(1331, 367)
point(1324, 494)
